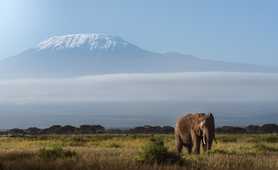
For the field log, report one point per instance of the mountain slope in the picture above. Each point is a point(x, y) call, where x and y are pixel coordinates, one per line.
point(84, 54)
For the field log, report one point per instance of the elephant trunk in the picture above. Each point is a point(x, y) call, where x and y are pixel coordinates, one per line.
point(207, 139)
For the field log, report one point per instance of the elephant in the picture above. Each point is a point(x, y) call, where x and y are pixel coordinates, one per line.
point(192, 130)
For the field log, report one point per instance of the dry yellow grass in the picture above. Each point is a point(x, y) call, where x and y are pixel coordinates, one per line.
point(234, 152)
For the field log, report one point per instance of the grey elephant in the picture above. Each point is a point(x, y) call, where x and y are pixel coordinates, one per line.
point(192, 130)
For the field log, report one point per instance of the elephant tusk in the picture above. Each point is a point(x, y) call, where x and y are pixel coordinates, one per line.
point(204, 139)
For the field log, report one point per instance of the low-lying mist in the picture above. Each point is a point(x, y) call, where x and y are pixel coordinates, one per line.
point(135, 99)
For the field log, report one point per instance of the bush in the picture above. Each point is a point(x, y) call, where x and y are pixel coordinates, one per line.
point(156, 152)
point(55, 152)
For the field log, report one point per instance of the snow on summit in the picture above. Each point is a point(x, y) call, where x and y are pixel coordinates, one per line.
point(91, 41)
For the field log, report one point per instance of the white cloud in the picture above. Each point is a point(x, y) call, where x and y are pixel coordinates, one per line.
point(215, 86)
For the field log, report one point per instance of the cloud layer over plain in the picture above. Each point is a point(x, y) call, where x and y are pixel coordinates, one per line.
point(142, 87)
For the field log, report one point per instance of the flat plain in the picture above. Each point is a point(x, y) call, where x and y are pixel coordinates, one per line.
point(123, 151)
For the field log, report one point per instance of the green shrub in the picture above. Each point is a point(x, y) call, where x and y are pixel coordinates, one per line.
point(55, 152)
point(156, 152)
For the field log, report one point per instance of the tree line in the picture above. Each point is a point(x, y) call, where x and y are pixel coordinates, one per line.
point(147, 129)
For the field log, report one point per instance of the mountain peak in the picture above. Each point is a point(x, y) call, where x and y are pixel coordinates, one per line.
point(86, 54)
point(91, 41)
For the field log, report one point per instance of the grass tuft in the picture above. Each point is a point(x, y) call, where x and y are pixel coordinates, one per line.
point(155, 151)
point(55, 152)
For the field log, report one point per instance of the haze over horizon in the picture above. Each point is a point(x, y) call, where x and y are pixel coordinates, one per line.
point(127, 100)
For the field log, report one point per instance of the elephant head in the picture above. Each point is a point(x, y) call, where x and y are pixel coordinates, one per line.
point(207, 128)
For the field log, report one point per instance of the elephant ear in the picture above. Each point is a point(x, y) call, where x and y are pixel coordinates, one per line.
point(210, 114)
point(212, 122)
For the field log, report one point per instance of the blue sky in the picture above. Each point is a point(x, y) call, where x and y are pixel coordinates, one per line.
point(240, 31)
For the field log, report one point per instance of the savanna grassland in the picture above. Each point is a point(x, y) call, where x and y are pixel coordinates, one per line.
point(133, 151)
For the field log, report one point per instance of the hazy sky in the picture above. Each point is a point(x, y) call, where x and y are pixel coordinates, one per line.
point(238, 30)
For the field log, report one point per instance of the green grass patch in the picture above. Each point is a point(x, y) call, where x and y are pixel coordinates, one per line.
point(155, 151)
point(56, 152)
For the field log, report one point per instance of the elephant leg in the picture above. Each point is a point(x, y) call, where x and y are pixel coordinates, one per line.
point(196, 143)
point(189, 148)
point(178, 144)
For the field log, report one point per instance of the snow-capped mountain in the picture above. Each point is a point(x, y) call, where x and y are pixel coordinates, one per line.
point(91, 42)
point(85, 54)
